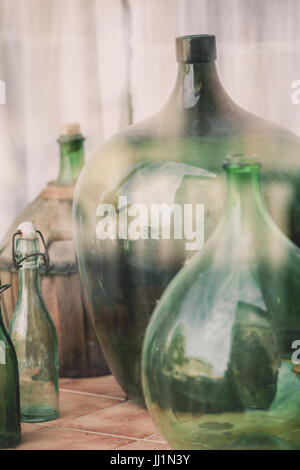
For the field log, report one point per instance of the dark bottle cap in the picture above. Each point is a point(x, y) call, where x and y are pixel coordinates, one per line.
point(196, 48)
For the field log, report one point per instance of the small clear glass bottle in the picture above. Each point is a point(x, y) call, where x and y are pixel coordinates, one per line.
point(33, 334)
point(10, 423)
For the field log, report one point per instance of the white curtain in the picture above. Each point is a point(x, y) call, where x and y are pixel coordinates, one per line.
point(61, 60)
point(105, 63)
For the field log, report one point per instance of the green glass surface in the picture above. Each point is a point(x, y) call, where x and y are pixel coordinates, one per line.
point(220, 366)
point(10, 424)
point(34, 337)
point(71, 158)
point(165, 159)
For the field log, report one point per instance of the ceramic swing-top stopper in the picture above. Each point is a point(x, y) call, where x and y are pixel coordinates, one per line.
point(27, 230)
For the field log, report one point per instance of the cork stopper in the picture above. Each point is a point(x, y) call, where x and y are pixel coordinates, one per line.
point(27, 230)
point(70, 129)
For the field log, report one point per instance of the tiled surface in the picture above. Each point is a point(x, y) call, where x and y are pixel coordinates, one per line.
point(145, 445)
point(106, 385)
point(124, 419)
point(94, 414)
point(68, 439)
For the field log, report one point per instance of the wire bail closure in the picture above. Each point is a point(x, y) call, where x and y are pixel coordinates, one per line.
point(4, 287)
point(17, 263)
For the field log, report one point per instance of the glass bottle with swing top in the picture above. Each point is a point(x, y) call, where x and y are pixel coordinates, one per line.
point(33, 332)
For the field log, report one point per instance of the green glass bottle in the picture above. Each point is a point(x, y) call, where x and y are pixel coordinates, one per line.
point(33, 334)
point(10, 423)
point(219, 360)
point(173, 157)
point(71, 154)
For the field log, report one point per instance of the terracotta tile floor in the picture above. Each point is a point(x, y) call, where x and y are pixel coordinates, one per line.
point(94, 415)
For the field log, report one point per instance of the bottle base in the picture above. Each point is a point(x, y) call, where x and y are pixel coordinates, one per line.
point(9, 440)
point(38, 414)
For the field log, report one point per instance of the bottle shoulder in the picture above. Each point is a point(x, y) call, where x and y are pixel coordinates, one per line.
point(166, 137)
point(140, 144)
point(32, 317)
point(174, 122)
point(7, 351)
point(5, 340)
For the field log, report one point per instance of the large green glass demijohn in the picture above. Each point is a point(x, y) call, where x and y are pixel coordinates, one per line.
point(174, 157)
point(220, 368)
point(33, 333)
point(10, 422)
point(51, 211)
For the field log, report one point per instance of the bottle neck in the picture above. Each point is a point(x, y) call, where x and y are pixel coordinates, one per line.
point(71, 159)
point(3, 330)
point(29, 275)
point(198, 87)
point(29, 283)
point(244, 199)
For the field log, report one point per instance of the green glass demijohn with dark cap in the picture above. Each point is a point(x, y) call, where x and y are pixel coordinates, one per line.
point(221, 353)
point(172, 160)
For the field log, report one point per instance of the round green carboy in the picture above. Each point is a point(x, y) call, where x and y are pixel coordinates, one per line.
point(221, 352)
